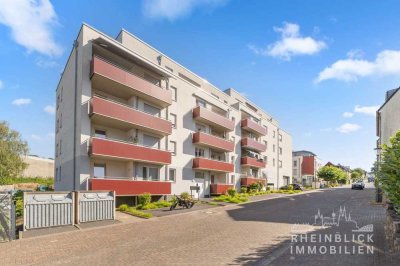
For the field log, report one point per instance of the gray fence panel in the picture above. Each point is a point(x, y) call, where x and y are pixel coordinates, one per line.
point(96, 206)
point(7, 217)
point(48, 209)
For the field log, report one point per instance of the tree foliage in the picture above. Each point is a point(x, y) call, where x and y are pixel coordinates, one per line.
point(12, 148)
point(388, 171)
point(357, 174)
point(332, 174)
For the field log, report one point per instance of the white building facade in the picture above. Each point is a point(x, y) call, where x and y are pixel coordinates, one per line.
point(131, 119)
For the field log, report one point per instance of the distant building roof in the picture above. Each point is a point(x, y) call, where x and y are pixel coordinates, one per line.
point(303, 153)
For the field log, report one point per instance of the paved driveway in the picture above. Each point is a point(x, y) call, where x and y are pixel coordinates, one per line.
point(253, 233)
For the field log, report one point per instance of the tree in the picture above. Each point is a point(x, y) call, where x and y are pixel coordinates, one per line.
point(389, 171)
point(357, 174)
point(12, 148)
point(332, 174)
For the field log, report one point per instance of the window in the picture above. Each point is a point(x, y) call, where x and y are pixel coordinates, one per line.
point(174, 94)
point(151, 109)
point(60, 147)
point(216, 96)
point(266, 129)
point(233, 181)
point(295, 163)
point(57, 150)
point(199, 152)
point(99, 170)
point(153, 173)
point(266, 159)
point(188, 80)
point(144, 173)
point(58, 101)
point(169, 69)
point(57, 125)
point(173, 147)
point(60, 121)
point(199, 175)
point(100, 133)
point(61, 94)
point(200, 103)
point(200, 128)
point(280, 137)
point(280, 164)
point(150, 141)
point(172, 175)
point(280, 150)
point(173, 120)
point(273, 148)
point(152, 79)
point(266, 144)
point(294, 171)
point(273, 162)
point(273, 133)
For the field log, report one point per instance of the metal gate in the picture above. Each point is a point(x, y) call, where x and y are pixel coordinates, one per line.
point(96, 206)
point(7, 217)
point(48, 209)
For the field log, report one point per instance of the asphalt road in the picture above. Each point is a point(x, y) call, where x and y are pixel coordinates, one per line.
point(258, 233)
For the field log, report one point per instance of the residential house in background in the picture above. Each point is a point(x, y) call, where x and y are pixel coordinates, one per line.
point(345, 169)
point(305, 167)
point(132, 120)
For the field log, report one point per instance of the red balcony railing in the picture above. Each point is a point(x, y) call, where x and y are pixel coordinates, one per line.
point(209, 117)
point(219, 189)
point(127, 151)
point(213, 141)
point(131, 187)
point(252, 144)
point(252, 126)
point(120, 115)
point(212, 165)
point(122, 81)
point(253, 162)
point(248, 180)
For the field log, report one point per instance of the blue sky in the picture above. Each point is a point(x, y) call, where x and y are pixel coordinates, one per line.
point(320, 67)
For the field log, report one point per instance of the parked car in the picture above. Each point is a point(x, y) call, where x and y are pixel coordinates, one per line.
point(295, 187)
point(358, 185)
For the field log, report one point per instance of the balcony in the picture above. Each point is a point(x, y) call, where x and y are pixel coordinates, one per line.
point(126, 187)
point(214, 142)
point(252, 144)
point(252, 126)
point(252, 162)
point(219, 189)
point(120, 82)
point(209, 117)
point(200, 163)
point(248, 180)
point(114, 149)
point(117, 115)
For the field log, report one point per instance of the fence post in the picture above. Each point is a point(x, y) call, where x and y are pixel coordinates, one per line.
point(12, 219)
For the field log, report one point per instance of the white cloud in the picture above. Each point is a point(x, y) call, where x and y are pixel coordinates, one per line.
point(367, 110)
point(35, 137)
point(21, 101)
point(355, 53)
point(347, 128)
point(174, 9)
point(31, 23)
point(50, 109)
point(387, 62)
point(348, 114)
point(291, 44)
point(46, 63)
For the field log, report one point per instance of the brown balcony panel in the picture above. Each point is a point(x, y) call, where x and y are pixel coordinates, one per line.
point(213, 141)
point(120, 116)
point(209, 117)
point(119, 82)
point(248, 161)
point(247, 181)
point(252, 144)
point(219, 189)
point(212, 165)
point(131, 187)
point(119, 150)
point(252, 126)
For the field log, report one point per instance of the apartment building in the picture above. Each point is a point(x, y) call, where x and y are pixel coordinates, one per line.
point(305, 168)
point(132, 120)
point(388, 118)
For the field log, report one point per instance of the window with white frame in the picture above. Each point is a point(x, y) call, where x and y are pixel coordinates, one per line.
point(150, 173)
point(174, 92)
point(173, 147)
point(295, 163)
point(199, 175)
point(273, 148)
point(233, 181)
point(280, 150)
point(280, 164)
point(198, 152)
point(98, 133)
point(99, 170)
point(173, 120)
point(273, 133)
point(172, 175)
point(200, 103)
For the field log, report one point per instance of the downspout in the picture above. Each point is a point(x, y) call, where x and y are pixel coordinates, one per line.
point(76, 44)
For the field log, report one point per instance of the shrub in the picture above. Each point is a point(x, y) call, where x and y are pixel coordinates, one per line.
point(144, 199)
point(243, 189)
point(185, 195)
point(231, 192)
point(238, 198)
point(254, 187)
point(137, 213)
point(290, 187)
point(123, 207)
